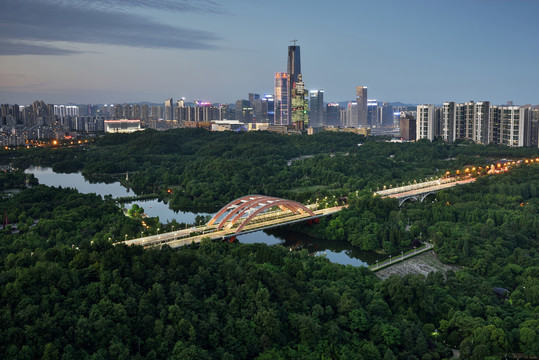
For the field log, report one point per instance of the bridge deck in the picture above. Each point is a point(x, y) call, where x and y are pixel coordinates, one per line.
point(182, 237)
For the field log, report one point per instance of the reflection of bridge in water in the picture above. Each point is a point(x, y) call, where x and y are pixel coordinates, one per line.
point(241, 216)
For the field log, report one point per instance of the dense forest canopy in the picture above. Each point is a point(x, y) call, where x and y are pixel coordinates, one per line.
point(205, 170)
point(67, 292)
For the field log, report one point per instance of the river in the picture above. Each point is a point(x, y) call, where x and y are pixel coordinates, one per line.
point(339, 252)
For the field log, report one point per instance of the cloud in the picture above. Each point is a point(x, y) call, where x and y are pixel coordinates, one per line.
point(13, 48)
point(26, 24)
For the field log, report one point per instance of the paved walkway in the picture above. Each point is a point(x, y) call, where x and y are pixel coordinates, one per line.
point(399, 258)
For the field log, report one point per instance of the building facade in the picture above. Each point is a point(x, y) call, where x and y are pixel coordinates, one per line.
point(361, 99)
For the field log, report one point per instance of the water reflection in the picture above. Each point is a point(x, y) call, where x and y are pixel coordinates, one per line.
point(340, 252)
point(152, 208)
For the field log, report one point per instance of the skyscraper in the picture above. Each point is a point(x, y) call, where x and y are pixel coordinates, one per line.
point(282, 101)
point(300, 105)
point(294, 64)
point(372, 113)
point(293, 69)
point(317, 108)
point(361, 98)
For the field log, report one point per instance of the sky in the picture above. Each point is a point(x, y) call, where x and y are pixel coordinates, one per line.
point(415, 51)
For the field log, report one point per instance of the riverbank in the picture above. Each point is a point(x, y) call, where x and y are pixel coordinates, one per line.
point(423, 264)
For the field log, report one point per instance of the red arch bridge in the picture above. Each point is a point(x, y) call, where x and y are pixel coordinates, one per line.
point(241, 216)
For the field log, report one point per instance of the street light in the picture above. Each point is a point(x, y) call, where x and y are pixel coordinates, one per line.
point(390, 259)
point(125, 237)
point(402, 254)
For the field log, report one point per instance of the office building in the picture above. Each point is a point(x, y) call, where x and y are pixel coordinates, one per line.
point(256, 104)
point(169, 116)
point(372, 113)
point(386, 117)
point(122, 126)
point(268, 108)
point(300, 105)
point(316, 108)
point(281, 99)
point(361, 99)
point(293, 64)
point(351, 115)
point(293, 69)
point(333, 113)
point(244, 111)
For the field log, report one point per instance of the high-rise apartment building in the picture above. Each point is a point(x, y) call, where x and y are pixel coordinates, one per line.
point(281, 99)
point(534, 127)
point(425, 122)
point(317, 108)
point(464, 120)
point(449, 119)
point(361, 99)
point(481, 122)
point(511, 125)
point(407, 127)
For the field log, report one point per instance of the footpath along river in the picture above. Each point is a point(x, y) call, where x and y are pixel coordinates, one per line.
point(339, 252)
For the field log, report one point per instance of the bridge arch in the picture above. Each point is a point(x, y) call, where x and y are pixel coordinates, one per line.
point(242, 210)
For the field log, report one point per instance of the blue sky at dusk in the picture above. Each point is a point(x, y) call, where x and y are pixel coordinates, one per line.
point(417, 51)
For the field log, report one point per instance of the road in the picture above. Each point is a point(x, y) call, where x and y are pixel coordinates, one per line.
point(183, 237)
point(434, 187)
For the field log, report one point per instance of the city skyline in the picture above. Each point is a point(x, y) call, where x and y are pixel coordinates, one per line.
point(133, 51)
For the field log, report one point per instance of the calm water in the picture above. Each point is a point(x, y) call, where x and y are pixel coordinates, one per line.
point(336, 251)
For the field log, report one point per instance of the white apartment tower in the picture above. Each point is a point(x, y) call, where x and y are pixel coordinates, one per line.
point(449, 122)
point(511, 125)
point(425, 126)
point(481, 122)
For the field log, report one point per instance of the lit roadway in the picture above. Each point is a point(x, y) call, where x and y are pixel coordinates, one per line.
point(183, 237)
point(417, 189)
point(271, 219)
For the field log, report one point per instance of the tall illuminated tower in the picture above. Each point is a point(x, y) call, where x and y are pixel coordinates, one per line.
point(293, 69)
point(300, 105)
point(294, 63)
point(282, 100)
